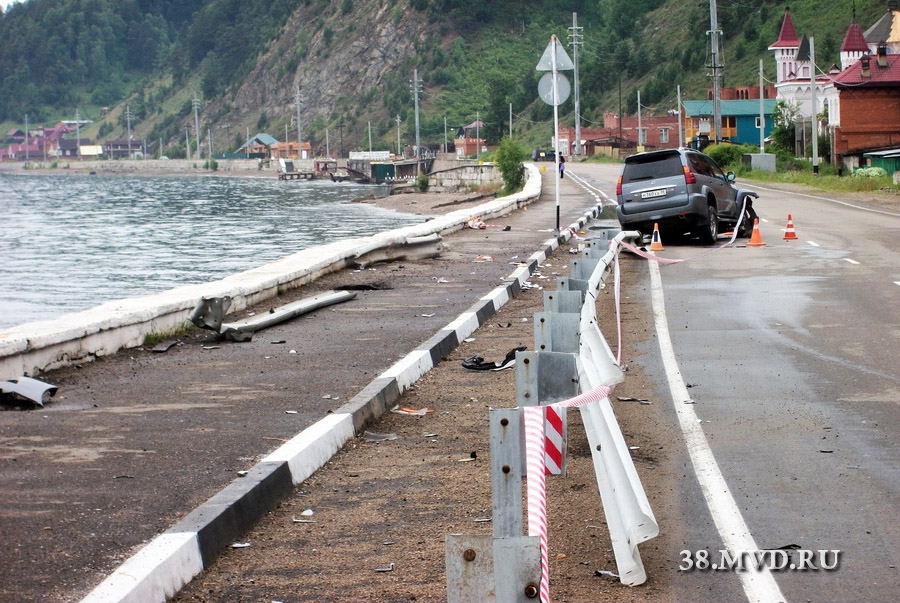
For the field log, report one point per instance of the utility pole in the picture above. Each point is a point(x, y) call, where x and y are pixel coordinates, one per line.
point(128, 121)
point(196, 103)
point(575, 39)
point(620, 108)
point(714, 33)
point(477, 135)
point(26, 138)
point(510, 120)
point(327, 145)
point(399, 150)
point(680, 124)
point(187, 143)
point(209, 140)
point(299, 130)
point(77, 135)
point(815, 120)
point(370, 140)
point(639, 141)
point(416, 99)
point(445, 134)
point(762, 111)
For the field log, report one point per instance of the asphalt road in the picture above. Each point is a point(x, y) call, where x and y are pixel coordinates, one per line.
point(792, 350)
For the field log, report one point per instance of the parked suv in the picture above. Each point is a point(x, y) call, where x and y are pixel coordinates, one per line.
point(681, 190)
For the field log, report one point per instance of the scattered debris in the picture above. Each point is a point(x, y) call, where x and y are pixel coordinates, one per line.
point(124, 477)
point(371, 436)
point(484, 520)
point(242, 473)
point(307, 513)
point(210, 347)
point(296, 520)
point(428, 315)
point(164, 346)
point(440, 280)
point(291, 412)
point(689, 401)
point(506, 326)
point(28, 388)
point(278, 341)
point(477, 363)
point(240, 545)
point(429, 435)
point(602, 573)
point(484, 258)
point(412, 411)
point(826, 451)
point(389, 568)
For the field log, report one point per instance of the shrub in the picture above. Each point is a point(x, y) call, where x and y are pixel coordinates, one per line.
point(729, 155)
point(870, 172)
point(422, 183)
point(509, 161)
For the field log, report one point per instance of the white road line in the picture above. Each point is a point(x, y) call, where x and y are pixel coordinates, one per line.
point(758, 586)
point(851, 261)
point(877, 211)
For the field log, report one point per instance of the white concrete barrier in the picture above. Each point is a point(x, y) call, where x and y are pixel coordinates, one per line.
point(32, 348)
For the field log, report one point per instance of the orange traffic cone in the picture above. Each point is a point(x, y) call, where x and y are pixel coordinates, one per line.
point(756, 237)
point(656, 242)
point(789, 233)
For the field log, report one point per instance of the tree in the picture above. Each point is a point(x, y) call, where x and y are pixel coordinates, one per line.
point(784, 118)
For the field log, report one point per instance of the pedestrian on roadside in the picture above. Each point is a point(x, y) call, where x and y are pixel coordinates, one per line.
point(562, 166)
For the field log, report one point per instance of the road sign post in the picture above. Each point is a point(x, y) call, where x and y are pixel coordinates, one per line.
point(554, 90)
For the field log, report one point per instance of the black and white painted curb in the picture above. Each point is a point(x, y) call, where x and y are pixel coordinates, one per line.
point(173, 558)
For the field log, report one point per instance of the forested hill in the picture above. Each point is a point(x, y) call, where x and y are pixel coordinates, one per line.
point(353, 61)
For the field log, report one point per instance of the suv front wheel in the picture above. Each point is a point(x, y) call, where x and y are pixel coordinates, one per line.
point(710, 231)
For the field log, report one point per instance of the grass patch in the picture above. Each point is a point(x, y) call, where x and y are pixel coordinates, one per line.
point(157, 337)
point(824, 182)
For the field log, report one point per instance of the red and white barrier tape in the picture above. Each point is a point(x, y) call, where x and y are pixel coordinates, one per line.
point(536, 491)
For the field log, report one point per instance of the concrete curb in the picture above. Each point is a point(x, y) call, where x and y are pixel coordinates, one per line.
point(36, 347)
point(172, 559)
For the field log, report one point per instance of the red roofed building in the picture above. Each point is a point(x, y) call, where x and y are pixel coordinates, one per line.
point(869, 106)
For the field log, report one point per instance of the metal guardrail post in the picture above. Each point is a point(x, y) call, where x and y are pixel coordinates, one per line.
point(572, 284)
point(507, 457)
point(556, 332)
point(563, 302)
point(545, 377)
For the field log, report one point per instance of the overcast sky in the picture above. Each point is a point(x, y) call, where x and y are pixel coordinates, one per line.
point(5, 3)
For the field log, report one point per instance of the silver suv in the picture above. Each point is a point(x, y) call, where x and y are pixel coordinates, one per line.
point(683, 191)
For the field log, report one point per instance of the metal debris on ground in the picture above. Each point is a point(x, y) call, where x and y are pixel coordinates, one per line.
point(602, 573)
point(164, 346)
point(240, 545)
point(389, 568)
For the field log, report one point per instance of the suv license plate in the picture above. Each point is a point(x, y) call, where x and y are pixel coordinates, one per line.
point(653, 194)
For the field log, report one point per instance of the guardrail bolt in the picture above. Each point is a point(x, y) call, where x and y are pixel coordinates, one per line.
point(532, 590)
point(504, 422)
point(469, 555)
point(506, 469)
point(598, 446)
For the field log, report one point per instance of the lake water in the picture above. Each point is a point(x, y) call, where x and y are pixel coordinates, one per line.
point(71, 242)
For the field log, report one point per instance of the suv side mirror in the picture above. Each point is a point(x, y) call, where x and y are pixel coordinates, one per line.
point(729, 176)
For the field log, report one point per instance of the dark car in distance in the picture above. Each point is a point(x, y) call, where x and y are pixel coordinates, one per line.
point(681, 190)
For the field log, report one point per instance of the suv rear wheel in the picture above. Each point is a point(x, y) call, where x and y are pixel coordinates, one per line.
point(710, 231)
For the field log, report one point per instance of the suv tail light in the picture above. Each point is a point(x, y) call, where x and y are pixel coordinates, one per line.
point(689, 177)
point(619, 186)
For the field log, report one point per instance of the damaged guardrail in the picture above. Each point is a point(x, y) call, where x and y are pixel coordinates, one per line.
point(33, 348)
point(572, 366)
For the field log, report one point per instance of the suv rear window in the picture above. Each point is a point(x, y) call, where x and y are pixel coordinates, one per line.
point(646, 167)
